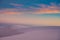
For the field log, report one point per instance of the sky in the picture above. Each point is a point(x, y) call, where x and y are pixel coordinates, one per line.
point(33, 12)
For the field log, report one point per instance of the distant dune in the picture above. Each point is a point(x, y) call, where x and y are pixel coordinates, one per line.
point(10, 29)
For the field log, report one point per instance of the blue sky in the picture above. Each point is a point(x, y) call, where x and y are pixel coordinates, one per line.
point(26, 3)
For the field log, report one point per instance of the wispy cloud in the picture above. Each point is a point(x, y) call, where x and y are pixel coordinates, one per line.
point(52, 8)
point(10, 11)
point(42, 9)
point(14, 4)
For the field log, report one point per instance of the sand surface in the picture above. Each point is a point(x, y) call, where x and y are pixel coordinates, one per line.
point(46, 34)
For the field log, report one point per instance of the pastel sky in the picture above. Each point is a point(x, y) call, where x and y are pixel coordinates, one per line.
point(33, 12)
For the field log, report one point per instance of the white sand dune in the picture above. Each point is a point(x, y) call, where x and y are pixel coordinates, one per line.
point(46, 34)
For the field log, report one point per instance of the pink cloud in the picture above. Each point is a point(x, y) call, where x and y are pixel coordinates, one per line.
point(53, 8)
point(10, 11)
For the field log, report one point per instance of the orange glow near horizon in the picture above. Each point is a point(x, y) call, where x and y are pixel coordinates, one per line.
point(10, 12)
point(39, 11)
point(47, 11)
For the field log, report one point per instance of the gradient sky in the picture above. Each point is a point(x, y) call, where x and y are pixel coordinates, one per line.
point(33, 12)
